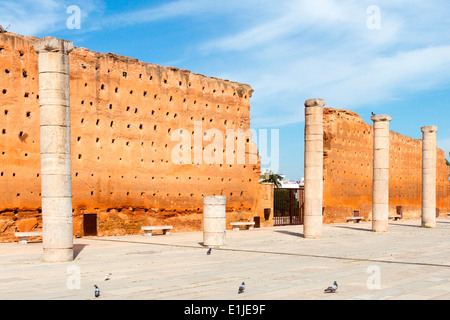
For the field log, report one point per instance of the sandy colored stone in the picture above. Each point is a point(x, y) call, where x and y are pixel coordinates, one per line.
point(313, 168)
point(429, 176)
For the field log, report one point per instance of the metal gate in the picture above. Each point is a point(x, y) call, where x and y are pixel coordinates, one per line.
point(288, 206)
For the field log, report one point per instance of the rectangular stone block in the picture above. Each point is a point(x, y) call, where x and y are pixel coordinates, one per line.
point(381, 126)
point(380, 196)
point(52, 163)
point(381, 173)
point(313, 159)
point(214, 225)
point(380, 211)
point(314, 129)
point(54, 96)
point(313, 207)
point(55, 139)
point(318, 111)
point(57, 208)
point(55, 81)
point(381, 143)
point(54, 115)
point(314, 137)
point(54, 185)
point(51, 62)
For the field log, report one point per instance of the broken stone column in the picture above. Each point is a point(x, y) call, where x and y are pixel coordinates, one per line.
point(214, 221)
point(312, 221)
point(380, 190)
point(56, 181)
point(429, 176)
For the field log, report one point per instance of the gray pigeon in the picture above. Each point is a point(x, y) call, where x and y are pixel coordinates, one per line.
point(332, 289)
point(241, 288)
point(4, 30)
point(96, 291)
point(208, 252)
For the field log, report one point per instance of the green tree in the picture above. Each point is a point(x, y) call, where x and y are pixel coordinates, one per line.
point(272, 178)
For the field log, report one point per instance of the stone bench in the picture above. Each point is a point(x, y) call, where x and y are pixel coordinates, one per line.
point(23, 236)
point(148, 229)
point(355, 219)
point(395, 217)
point(247, 225)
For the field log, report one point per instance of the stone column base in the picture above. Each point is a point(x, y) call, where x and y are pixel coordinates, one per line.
point(380, 226)
point(58, 255)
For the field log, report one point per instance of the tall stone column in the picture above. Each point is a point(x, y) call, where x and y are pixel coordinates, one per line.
point(312, 222)
point(380, 191)
point(56, 181)
point(429, 176)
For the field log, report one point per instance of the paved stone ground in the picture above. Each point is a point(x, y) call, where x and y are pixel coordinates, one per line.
point(277, 263)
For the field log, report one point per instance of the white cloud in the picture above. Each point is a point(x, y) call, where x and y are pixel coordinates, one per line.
point(324, 49)
point(37, 18)
point(289, 50)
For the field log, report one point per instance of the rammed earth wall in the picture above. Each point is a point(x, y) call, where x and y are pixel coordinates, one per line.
point(123, 116)
point(348, 170)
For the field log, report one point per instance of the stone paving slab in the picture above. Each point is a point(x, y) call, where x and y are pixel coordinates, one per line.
point(275, 263)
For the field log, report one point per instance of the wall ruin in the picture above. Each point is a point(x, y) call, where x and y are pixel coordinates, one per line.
point(123, 112)
point(348, 170)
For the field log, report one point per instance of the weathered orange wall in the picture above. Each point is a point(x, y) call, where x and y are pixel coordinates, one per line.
point(123, 112)
point(348, 170)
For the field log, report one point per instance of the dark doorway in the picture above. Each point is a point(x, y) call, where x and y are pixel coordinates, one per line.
point(288, 206)
point(90, 224)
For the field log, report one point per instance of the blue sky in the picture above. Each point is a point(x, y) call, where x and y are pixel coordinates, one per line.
point(287, 50)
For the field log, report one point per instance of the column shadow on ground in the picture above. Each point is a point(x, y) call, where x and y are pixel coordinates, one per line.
point(353, 228)
point(295, 234)
point(353, 259)
point(77, 248)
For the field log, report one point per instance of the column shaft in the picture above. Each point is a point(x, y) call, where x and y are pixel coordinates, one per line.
point(56, 181)
point(312, 222)
point(380, 192)
point(429, 176)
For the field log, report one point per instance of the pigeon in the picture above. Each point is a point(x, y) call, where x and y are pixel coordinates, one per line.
point(373, 113)
point(241, 288)
point(208, 252)
point(108, 276)
point(82, 65)
point(4, 30)
point(96, 291)
point(332, 288)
